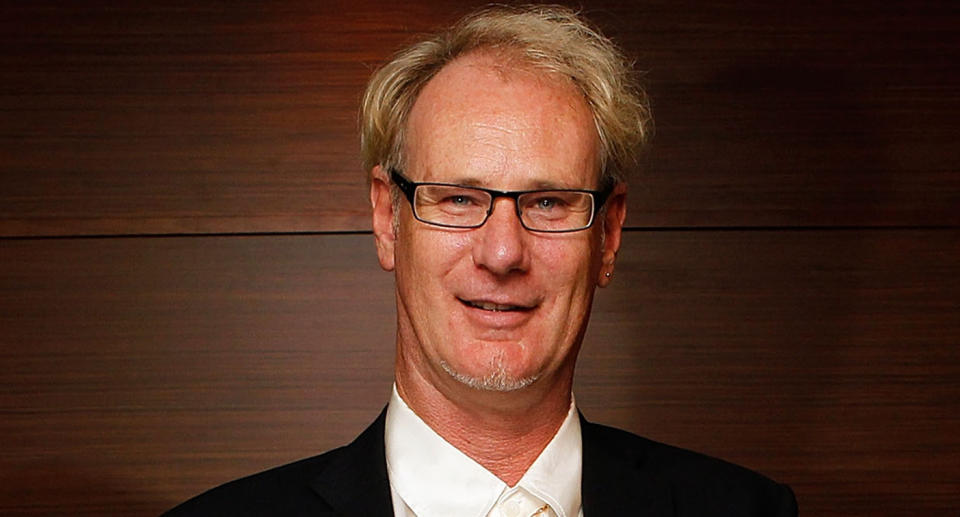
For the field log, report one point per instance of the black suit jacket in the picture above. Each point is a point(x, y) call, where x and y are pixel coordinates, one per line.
point(623, 474)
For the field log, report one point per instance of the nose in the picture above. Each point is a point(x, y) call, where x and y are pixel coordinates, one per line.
point(501, 245)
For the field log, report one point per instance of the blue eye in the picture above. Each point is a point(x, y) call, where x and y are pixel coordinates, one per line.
point(546, 202)
point(461, 200)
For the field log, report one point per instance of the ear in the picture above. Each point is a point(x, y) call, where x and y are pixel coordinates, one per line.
point(383, 229)
point(613, 217)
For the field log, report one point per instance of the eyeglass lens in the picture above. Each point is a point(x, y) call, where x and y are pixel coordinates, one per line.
point(465, 207)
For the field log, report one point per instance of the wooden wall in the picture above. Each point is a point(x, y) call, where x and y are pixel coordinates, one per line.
point(189, 293)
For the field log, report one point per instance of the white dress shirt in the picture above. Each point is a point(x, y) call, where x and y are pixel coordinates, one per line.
point(429, 477)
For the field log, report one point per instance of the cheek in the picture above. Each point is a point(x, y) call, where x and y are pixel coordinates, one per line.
point(563, 269)
point(571, 273)
point(426, 257)
point(568, 264)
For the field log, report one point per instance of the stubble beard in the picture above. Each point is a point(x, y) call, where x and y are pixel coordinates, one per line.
point(497, 380)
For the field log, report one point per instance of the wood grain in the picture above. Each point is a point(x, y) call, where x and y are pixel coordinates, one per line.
point(828, 360)
point(778, 302)
point(139, 371)
point(223, 117)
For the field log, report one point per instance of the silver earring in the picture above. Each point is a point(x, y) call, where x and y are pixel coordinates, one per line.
point(606, 275)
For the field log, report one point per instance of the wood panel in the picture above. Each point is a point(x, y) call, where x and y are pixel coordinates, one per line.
point(828, 360)
point(799, 113)
point(139, 371)
point(211, 116)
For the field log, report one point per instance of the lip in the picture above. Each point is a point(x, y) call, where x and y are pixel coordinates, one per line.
point(496, 314)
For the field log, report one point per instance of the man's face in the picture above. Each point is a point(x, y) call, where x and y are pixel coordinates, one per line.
point(495, 307)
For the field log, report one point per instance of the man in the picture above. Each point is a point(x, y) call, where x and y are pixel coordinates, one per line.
point(497, 152)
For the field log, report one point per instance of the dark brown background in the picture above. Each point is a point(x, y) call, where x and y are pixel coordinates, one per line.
point(189, 293)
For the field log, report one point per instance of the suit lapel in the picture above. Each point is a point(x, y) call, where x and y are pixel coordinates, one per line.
point(614, 479)
point(354, 482)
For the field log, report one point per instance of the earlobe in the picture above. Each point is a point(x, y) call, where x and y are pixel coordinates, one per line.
point(383, 228)
point(607, 261)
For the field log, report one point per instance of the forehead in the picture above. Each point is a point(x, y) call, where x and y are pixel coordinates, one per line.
point(486, 120)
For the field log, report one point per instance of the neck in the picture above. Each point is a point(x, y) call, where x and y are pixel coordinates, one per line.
point(504, 432)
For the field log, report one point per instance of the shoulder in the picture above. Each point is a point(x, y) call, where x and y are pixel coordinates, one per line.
point(694, 483)
point(267, 493)
point(350, 480)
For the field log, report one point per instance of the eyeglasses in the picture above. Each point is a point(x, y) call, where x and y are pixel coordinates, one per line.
point(459, 206)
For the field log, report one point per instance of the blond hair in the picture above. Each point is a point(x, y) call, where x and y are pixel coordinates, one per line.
point(550, 38)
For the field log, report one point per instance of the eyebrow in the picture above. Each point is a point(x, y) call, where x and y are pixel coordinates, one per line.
point(469, 182)
point(538, 185)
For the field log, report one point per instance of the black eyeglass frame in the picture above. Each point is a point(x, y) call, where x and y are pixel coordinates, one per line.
point(409, 189)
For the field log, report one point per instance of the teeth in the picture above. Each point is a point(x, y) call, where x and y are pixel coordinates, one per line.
point(490, 306)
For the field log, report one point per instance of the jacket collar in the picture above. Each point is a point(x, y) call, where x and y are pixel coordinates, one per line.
point(354, 481)
point(615, 481)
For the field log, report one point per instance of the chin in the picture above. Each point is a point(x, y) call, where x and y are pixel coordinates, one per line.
point(496, 378)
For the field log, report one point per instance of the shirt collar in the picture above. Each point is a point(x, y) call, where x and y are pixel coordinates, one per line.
point(434, 478)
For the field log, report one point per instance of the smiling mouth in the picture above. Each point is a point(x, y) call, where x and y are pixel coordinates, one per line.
point(493, 307)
